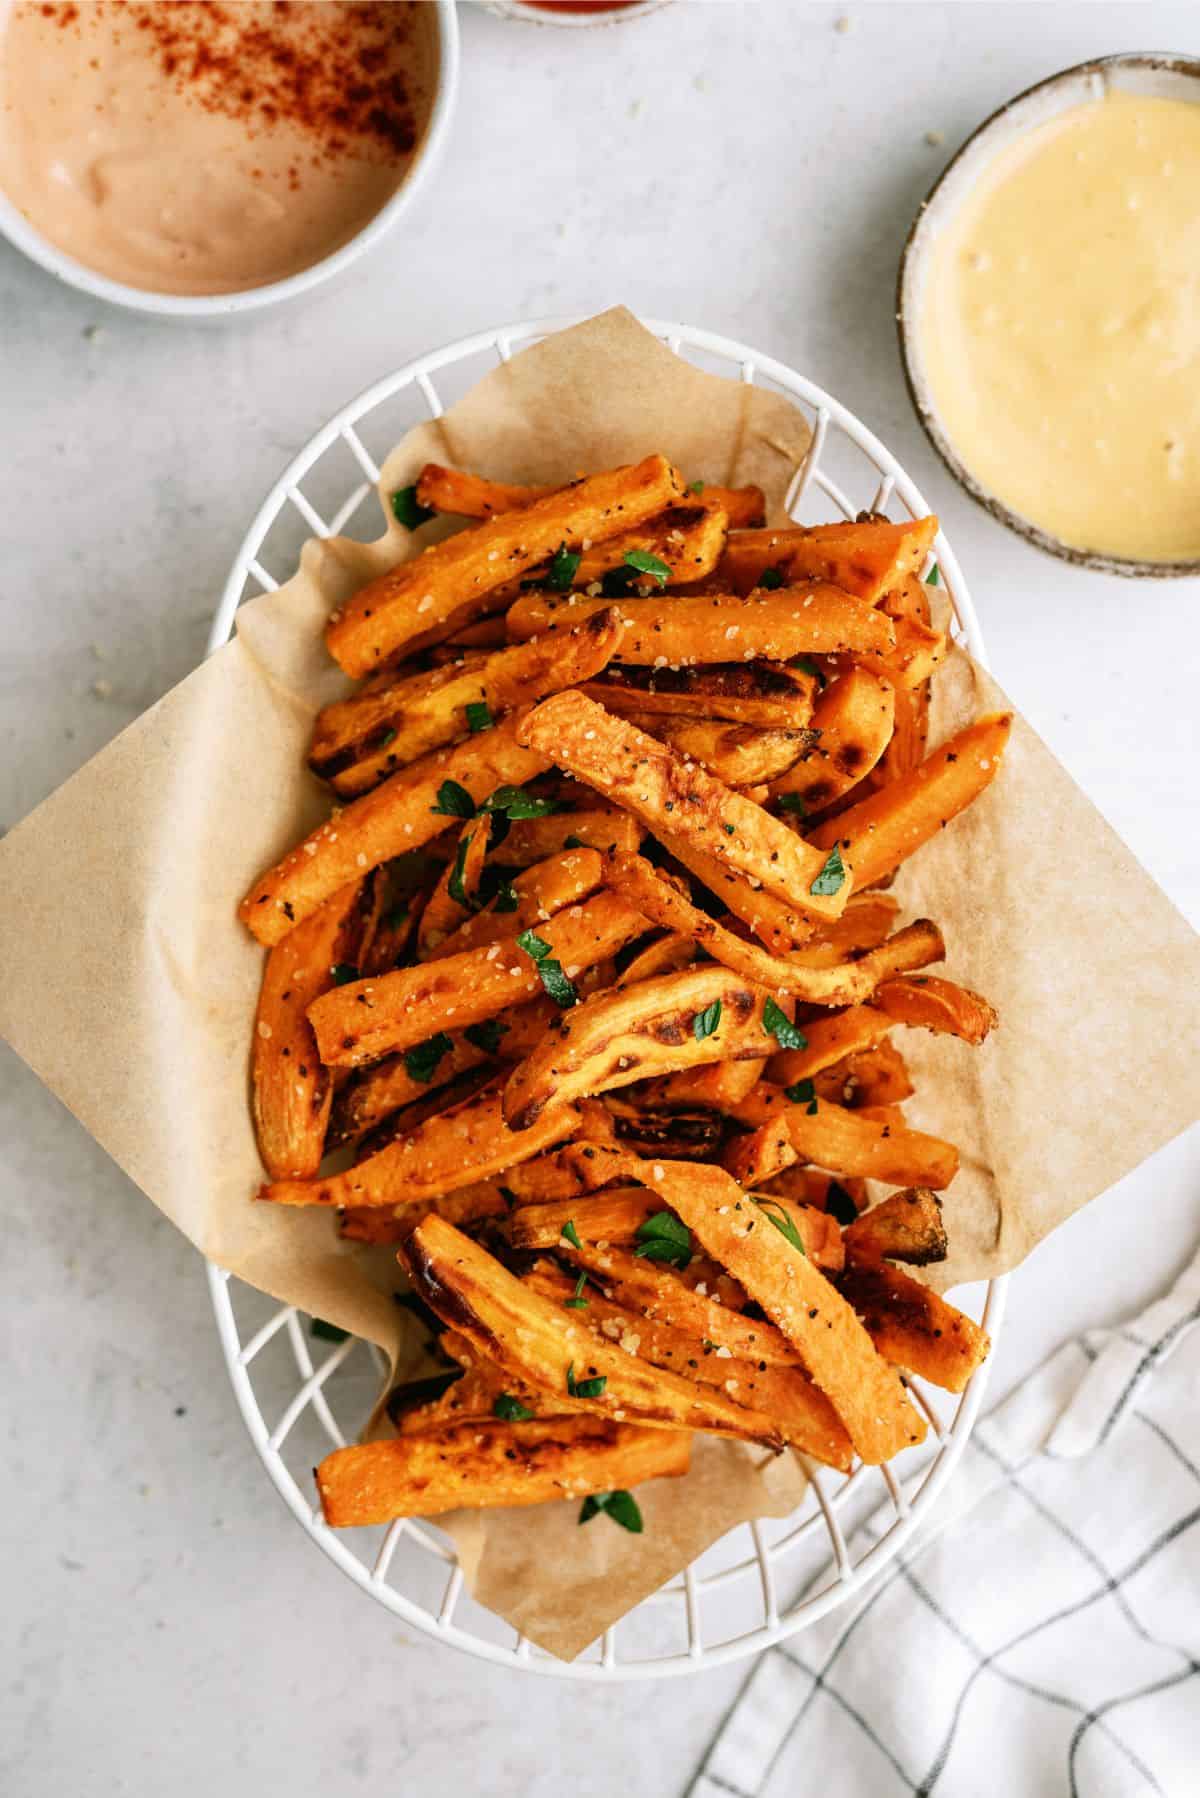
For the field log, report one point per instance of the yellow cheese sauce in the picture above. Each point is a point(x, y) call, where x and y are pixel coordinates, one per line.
point(1060, 328)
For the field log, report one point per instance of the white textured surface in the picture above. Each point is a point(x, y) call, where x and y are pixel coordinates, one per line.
point(165, 1627)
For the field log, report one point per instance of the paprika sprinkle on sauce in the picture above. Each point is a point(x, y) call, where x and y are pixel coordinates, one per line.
point(199, 147)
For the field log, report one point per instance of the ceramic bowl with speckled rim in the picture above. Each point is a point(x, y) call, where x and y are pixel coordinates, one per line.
point(1155, 74)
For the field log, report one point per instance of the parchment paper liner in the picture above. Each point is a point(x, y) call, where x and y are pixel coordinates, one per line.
point(129, 986)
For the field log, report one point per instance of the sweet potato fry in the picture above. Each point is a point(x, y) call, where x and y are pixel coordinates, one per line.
point(470, 496)
point(693, 1135)
point(906, 749)
point(541, 1341)
point(540, 891)
point(742, 755)
point(535, 839)
point(472, 1396)
point(758, 1156)
point(615, 1215)
point(376, 1224)
point(805, 1416)
point(918, 652)
point(830, 1040)
point(387, 613)
point(666, 792)
point(376, 1093)
point(290, 1090)
point(683, 629)
point(687, 540)
point(398, 816)
point(913, 1328)
point(768, 694)
point(868, 558)
point(492, 1463)
point(665, 955)
point(368, 1019)
point(656, 898)
point(854, 718)
point(883, 830)
point(630, 1033)
point(709, 1308)
point(453, 898)
point(928, 1003)
point(906, 1226)
point(776, 924)
point(456, 1148)
point(441, 489)
point(877, 1076)
point(832, 1344)
point(359, 741)
point(720, 1085)
point(866, 923)
point(846, 1142)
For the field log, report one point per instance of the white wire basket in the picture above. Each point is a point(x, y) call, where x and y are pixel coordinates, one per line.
point(764, 1580)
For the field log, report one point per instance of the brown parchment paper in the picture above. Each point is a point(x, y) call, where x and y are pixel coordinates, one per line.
point(127, 984)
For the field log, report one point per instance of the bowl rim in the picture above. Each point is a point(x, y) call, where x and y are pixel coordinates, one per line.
point(611, 15)
point(16, 228)
point(916, 247)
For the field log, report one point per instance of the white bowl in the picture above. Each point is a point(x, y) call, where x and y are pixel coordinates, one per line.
point(1156, 74)
point(206, 307)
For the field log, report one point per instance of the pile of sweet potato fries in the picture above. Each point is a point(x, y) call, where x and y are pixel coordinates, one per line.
point(592, 982)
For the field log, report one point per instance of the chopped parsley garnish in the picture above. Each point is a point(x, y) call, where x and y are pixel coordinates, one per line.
point(486, 1036)
point(779, 1215)
point(770, 578)
point(342, 973)
point(421, 1061)
point(577, 1302)
point(515, 802)
point(832, 876)
point(453, 801)
point(933, 578)
point(389, 736)
point(786, 1034)
point(585, 1388)
point(327, 1332)
point(839, 1204)
point(408, 510)
point(454, 886)
point(803, 1093)
point(479, 716)
point(506, 898)
point(563, 568)
point(618, 583)
point(570, 1234)
point(696, 487)
point(510, 1409)
point(664, 1237)
point(806, 665)
point(645, 563)
point(792, 802)
point(550, 971)
point(621, 1506)
point(706, 1021)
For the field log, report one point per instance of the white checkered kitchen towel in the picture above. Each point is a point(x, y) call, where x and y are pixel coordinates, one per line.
point(1042, 1636)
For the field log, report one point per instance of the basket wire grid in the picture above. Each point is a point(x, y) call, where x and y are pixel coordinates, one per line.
point(764, 1580)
